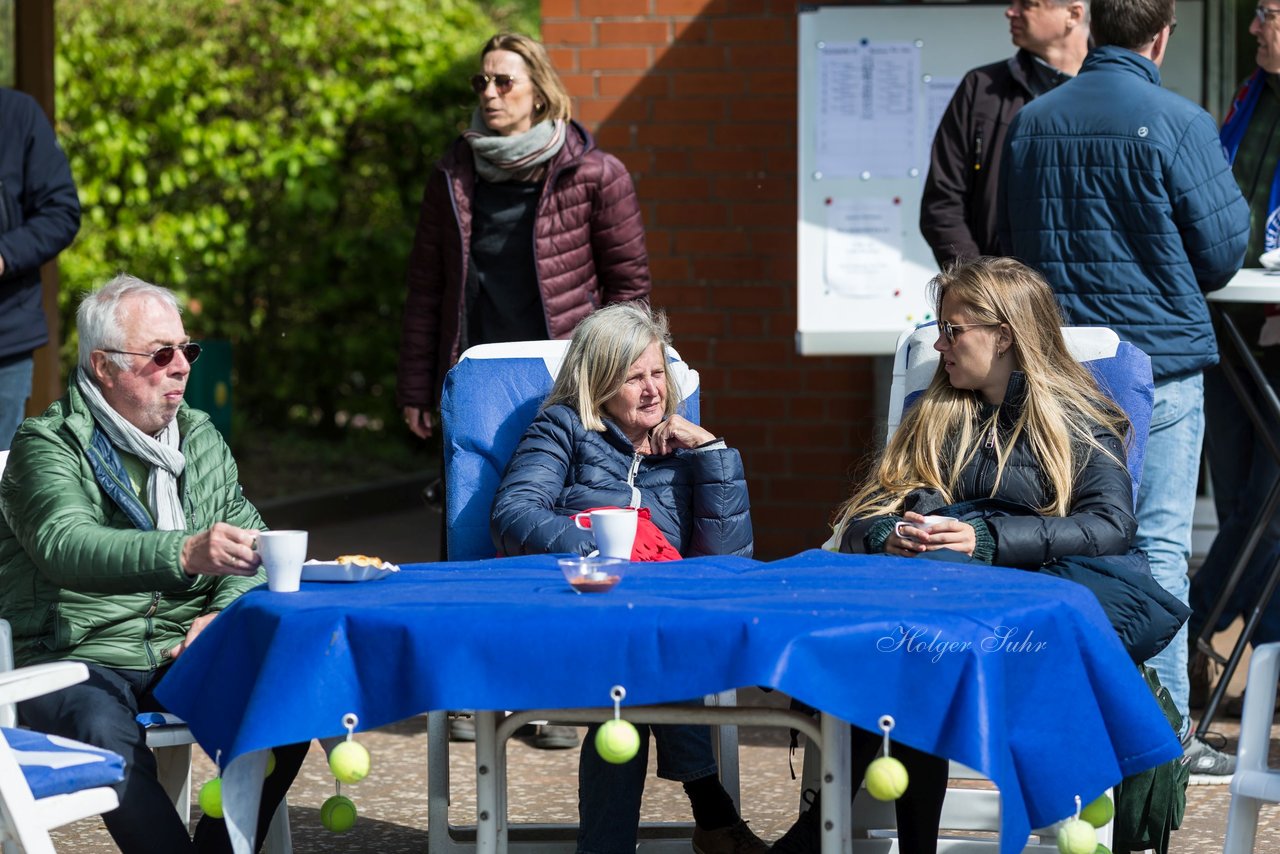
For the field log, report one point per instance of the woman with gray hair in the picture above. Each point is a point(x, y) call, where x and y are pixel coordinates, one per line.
point(609, 435)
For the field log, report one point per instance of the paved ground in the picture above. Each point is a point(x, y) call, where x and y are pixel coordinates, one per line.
point(393, 803)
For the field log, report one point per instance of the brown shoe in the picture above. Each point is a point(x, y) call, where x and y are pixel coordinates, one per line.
point(734, 839)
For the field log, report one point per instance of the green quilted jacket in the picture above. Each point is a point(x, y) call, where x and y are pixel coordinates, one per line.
point(83, 573)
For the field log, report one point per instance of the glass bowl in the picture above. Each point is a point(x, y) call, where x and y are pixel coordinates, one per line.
point(592, 574)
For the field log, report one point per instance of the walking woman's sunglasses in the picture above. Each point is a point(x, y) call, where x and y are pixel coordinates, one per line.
point(162, 356)
point(501, 82)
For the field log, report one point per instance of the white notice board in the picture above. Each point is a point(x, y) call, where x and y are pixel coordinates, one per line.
point(874, 81)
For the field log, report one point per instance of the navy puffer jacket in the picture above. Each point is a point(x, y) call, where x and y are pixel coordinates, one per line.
point(1119, 192)
point(697, 498)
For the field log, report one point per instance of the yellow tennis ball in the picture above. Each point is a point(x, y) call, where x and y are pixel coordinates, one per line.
point(1101, 849)
point(211, 798)
point(886, 779)
point(1100, 811)
point(271, 763)
point(617, 741)
point(338, 814)
point(1077, 836)
point(349, 762)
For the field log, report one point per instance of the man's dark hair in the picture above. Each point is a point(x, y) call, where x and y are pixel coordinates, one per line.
point(1128, 23)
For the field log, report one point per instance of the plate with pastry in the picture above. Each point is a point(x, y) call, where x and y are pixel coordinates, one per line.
point(348, 568)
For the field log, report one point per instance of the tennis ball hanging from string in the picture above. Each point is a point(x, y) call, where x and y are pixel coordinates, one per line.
point(617, 741)
point(1099, 811)
point(210, 797)
point(349, 761)
point(271, 763)
point(886, 777)
point(338, 814)
point(1077, 836)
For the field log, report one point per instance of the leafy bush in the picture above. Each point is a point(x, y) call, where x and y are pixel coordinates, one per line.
point(265, 158)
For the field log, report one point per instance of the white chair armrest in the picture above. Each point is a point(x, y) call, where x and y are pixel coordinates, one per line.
point(39, 679)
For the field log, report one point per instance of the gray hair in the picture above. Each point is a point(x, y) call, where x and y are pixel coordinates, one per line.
point(98, 320)
point(602, 351)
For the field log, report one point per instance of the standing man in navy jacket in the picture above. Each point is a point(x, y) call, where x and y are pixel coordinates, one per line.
point(39, 217)
point(1119, 192)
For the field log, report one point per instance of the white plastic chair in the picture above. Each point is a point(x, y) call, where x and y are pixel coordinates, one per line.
point(35, 800)
point(169, 739)
point(490, 398)
point(1255, 783)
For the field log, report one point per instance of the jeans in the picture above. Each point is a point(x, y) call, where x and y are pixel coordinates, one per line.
point(609, 795)
point(1243, 472)
point(101, 711)
point(15, 388)
point(1166, 504)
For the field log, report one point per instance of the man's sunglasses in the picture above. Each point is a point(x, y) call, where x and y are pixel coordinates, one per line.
point(501, 82)
point(162, 356)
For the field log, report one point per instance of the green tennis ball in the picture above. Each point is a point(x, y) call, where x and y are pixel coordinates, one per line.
point(886, 779)
point(1100, 811)
point(211, 798)
point(271, 763)
point(617, 741)
point(338, 814)
point(1101, 849)
point(1076, 836)
point(349, 762)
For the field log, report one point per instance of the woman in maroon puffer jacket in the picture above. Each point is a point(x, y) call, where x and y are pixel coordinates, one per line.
point(526, 227)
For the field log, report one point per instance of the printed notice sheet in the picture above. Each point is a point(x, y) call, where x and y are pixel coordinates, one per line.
point(868, 102)
point(864, 246)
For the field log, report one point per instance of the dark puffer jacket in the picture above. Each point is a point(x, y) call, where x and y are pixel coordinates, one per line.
point(588, 245)
point(698, 499)
point(1118, 191)
point(1100, 521)
point(39, 217)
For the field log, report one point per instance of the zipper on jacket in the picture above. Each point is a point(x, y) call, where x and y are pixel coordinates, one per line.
point(631, 478)
point(977, 152)
point(155, 604)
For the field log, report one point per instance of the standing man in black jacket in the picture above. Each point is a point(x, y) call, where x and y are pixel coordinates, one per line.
point(39, 217)
point(958, 210)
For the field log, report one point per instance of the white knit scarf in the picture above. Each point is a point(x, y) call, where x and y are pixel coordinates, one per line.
point(161, 454)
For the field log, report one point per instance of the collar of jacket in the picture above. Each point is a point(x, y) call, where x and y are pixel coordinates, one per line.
point(1015, 397)
point(1020, 69)
point(1113, 59)
point(459, 162)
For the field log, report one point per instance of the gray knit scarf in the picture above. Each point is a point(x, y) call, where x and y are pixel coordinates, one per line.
point(161, 454)
point(517, 157)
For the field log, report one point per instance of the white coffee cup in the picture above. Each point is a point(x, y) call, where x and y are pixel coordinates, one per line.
point(282, 553)
point(926, 525)
point(615, 530)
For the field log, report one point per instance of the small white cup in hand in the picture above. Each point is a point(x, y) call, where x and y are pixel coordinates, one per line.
point(926, 526)
point(282, 553)
point(615, 530)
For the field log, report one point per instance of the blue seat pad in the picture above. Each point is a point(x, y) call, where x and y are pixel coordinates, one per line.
point(59, 766)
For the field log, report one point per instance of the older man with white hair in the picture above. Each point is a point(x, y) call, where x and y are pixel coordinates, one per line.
point(123, 534)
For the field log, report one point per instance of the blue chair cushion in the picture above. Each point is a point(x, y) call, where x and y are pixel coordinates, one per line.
point(59, 766)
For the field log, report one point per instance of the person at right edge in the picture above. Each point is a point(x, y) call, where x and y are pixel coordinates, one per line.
point(39, 217)
point(1240, 463)
point(1124, 200)
point(526, 227)
point(958, 209)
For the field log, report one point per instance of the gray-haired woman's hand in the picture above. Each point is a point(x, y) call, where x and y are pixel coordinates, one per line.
point(677, 432)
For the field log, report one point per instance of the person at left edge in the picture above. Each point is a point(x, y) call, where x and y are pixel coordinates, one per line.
point(123, 534)
point(39, 217)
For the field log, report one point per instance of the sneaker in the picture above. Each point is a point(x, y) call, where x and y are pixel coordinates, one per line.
point(551, 737)
point(734, 839)
point(462, 729)
point(805, 836)
point(1209, 766)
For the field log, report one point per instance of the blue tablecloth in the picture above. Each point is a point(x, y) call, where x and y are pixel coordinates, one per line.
point(1016, 675)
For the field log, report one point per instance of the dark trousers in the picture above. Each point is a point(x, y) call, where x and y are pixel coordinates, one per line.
point(102, 711)
point(919, 810)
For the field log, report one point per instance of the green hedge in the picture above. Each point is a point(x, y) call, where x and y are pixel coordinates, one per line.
point(266, 158)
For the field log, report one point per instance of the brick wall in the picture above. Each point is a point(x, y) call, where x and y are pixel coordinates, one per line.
point(698, 98)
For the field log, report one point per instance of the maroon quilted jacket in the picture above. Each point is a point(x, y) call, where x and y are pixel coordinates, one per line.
point(588, 243)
